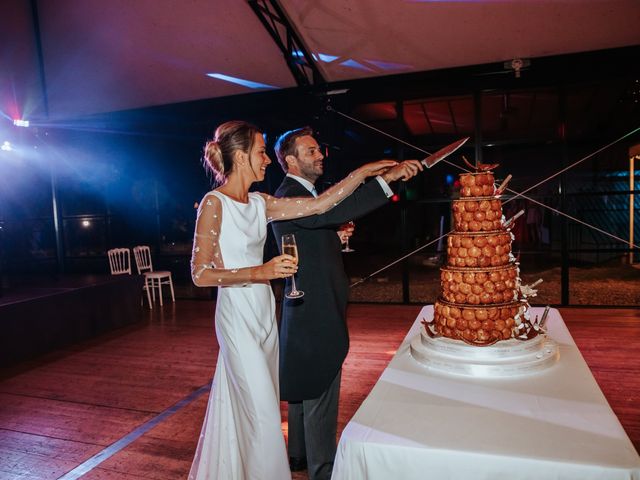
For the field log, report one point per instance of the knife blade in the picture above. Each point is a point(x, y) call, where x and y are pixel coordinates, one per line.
point(444, 152)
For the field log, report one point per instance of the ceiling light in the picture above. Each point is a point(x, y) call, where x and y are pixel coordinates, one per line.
point(239, 81)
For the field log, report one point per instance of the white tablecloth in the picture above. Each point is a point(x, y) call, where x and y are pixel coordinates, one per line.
point(419, 424)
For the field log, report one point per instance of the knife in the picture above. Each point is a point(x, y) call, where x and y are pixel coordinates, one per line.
point(434, 158)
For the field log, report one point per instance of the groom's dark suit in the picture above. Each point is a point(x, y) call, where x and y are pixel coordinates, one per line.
point(313, 333)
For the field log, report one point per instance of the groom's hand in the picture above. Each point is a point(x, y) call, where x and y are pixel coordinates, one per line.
point(403, 171)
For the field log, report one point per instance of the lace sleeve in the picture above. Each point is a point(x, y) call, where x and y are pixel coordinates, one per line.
point(207, 264)
point(289, 208)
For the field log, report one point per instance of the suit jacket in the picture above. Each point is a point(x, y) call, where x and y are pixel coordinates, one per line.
point(314, 340)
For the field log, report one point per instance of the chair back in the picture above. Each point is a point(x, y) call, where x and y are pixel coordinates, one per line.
point(119, 261)
point(142, 254)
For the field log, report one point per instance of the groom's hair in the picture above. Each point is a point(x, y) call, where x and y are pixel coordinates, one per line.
point(286, 144)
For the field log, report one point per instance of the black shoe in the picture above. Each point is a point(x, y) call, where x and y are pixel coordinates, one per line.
point(297, 464)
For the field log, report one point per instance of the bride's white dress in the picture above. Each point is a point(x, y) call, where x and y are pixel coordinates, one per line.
point(241, 436)
point(243, 414)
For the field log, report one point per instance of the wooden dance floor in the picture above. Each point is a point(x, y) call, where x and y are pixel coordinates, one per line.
point(129, 404)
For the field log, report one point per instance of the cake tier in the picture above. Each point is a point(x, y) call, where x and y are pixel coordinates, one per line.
point(478, 324)
point(477, 184)
point(480, 286)
point(483, 249)
point(477, 214)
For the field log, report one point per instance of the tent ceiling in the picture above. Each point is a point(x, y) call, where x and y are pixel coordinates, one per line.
point(364, 38)
point(102, 56)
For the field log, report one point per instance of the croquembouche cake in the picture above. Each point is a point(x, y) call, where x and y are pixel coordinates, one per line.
point(482, 301)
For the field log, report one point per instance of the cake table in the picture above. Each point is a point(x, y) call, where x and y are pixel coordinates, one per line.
point(423, 423)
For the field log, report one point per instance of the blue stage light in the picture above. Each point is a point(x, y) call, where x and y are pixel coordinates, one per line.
point(6, 146)
point(353, 64)
point(323, 57)
point(21, 123)
point(327, 58)
point(239, 81)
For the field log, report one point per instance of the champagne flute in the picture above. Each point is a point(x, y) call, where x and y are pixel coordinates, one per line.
point(346, 248)
point(289, 247)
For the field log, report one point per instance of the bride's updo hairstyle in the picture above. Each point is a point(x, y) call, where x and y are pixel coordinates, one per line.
point(229, 137)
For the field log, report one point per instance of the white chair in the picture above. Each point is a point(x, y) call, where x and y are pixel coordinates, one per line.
point(152, 280)
point(119, 261)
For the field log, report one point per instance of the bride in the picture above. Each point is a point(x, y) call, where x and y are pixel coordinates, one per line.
point(241, 436)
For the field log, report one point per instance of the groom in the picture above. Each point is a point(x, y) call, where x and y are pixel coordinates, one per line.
point(313, 332)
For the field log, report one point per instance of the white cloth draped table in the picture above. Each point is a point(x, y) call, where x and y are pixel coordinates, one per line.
point(420, 424)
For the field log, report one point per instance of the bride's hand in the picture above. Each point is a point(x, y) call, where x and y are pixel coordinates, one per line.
point(282, 266)
point(377, 168)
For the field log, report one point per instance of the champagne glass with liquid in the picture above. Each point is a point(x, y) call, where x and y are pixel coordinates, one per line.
point(346, 248)
point(289, 247)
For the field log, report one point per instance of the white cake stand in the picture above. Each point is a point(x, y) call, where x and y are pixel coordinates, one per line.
point(504, 359)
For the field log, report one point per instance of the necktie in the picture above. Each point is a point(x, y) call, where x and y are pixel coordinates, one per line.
point(314, 192)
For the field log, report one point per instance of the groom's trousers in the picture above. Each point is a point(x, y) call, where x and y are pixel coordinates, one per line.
point(312, 431)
